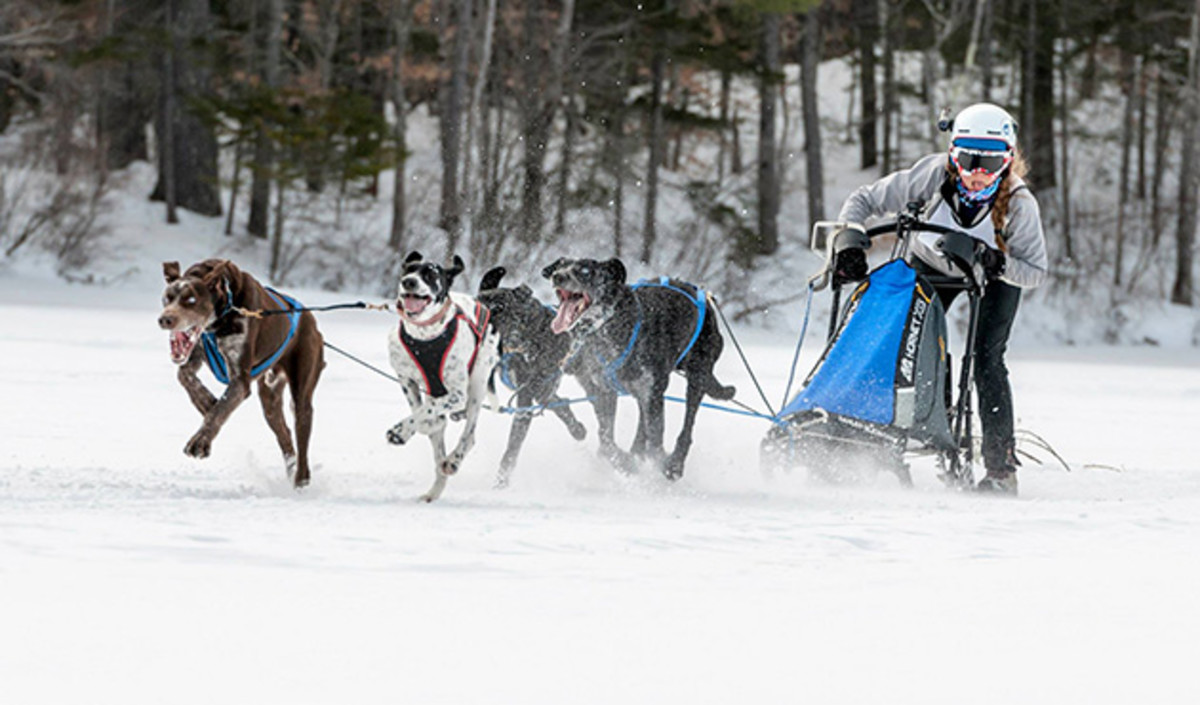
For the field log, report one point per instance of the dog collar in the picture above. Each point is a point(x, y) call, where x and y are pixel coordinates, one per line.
point(432, 321)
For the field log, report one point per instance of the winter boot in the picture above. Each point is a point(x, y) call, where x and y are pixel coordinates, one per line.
point(1001, 477)
point(1002, 481)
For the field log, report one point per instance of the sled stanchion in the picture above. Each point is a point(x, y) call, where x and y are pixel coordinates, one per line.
point(833, 311)
point(742, 355)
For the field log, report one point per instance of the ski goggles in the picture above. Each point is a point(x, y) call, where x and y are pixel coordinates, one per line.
point(985, 161)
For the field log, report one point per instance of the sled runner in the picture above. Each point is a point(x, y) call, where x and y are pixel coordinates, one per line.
point(881, 390)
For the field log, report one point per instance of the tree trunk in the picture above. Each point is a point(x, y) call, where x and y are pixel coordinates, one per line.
point(193, 143)
point(565, 166)
point(476, 105)
point(768, 162)
point(1142, 80)
point(1038, 134)
point(723, 132)
point(812, 121)
point(125, 107)
point(1189, 173)
point(541, 103)
point(401, 11)
point(985, 51)
point(451, 127)
point(1065, 186)
point(1165, 106)
point(264, 151)
point(655, 137)
point(866, 15)
point(736, 165)
point(889, 88)
point(1129, 79)
point(166, 159)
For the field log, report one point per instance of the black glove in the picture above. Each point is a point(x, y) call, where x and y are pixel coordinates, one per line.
point(849, 265)
point(993, 262)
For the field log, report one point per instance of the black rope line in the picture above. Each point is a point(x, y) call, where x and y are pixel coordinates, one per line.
point(365, 364)
point(742, 355)
point(331, 307)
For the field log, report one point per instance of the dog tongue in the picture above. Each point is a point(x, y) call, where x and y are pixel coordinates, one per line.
point(180, 346)
point(568, 310)
point(414, 304)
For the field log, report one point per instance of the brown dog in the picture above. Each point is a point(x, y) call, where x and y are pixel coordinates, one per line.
point(201, 306)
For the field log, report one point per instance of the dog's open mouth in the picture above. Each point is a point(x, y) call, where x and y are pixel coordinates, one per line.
point(182, 343)
point(413, 304)
point(571, 305)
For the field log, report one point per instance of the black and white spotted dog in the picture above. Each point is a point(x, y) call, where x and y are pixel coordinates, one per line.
point(530, 355)
point(628, 339)
point(444, 353)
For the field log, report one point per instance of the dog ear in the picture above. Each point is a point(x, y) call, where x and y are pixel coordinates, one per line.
point(548, 270)
point(413, 256)
point(170, 271)
point(491, 278)
point(455, 269)
point(223, 273)
point(616, 269)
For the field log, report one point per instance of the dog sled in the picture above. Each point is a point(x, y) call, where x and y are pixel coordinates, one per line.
point(881, 392)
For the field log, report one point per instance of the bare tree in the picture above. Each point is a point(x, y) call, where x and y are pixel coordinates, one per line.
point(1189, 172)
point(768, 161)
point(812, 119)
point(188, 175)
point(544, 89)
point(866, 16)
point(401, 16)
point(451, 121)
point(271, 23)
point(655, 136)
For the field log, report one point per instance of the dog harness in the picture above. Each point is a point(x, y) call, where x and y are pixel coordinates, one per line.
point(699, 300)
point(212, 351)
point(430, 355)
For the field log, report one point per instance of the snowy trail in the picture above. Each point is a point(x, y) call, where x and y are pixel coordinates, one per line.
point(130, 573)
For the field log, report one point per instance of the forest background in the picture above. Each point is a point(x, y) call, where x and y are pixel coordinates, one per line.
point(658, 131)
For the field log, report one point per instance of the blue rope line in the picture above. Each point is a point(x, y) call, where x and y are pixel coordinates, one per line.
point(538, 408)
point(787, 392)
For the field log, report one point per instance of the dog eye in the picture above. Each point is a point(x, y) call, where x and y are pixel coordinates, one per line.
point(585, 270)
point(190, 301)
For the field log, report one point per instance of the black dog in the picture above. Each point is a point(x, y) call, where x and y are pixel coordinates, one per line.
point(629, 339)
point(530, 355)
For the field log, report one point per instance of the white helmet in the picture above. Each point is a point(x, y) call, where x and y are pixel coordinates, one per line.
point(983, 123)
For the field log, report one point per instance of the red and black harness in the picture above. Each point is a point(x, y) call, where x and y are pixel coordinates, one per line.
point(430, 355)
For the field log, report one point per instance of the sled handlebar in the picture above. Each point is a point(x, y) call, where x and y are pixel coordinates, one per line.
point(959, 248)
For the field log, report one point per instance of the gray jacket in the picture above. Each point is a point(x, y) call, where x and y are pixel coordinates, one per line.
point(1026, 260)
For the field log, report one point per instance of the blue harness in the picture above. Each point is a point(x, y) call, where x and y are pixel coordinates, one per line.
point(212, 351)
point(699, 300)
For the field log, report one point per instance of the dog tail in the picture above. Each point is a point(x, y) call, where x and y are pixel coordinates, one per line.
point(493, 400)
point(719, 391)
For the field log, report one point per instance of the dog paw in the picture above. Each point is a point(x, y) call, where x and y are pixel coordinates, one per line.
point(199, 446)
point(458, 415)
point(449, 467)
point(672, 469)
point(577, 430)
point(395, 435)
point(622, 461)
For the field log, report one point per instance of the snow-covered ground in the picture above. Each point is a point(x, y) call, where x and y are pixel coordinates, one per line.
point(130, 573)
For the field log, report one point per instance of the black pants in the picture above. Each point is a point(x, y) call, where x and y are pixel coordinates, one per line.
point(997, 310)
